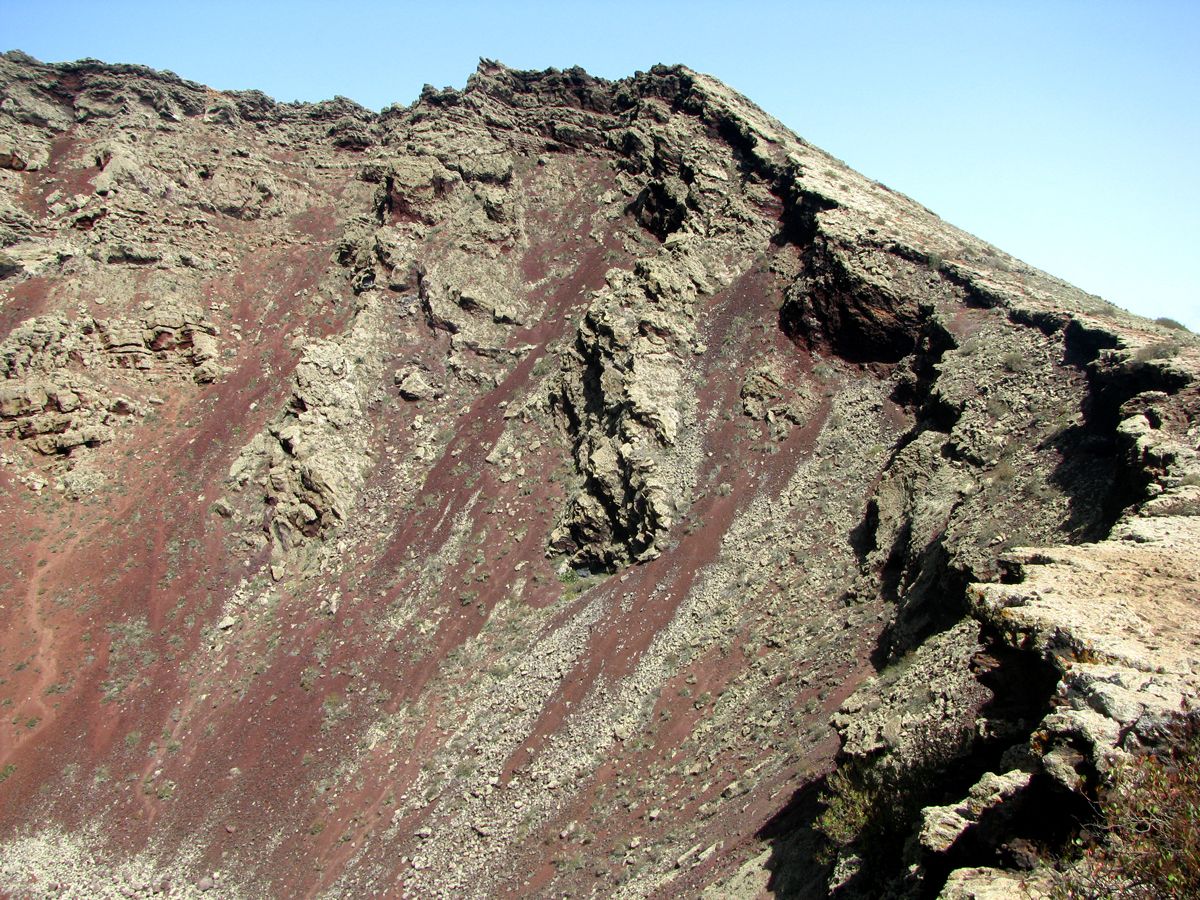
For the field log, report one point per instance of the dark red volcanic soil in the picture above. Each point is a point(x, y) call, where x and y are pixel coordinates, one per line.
point(125, 592)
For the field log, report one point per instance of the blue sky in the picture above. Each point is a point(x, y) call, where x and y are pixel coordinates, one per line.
point(1067, 133)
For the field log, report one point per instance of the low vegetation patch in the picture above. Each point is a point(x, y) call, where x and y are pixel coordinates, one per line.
point(1147, 841)
point(1167, 322)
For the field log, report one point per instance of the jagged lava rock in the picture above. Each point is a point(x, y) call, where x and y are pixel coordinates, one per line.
point(541, 489)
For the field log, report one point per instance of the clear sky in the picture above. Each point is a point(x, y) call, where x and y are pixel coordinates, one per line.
point(1067, 133)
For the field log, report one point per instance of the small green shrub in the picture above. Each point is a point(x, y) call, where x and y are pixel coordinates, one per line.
point(997, 408)
point(1147, 843)
point(1167, 322)
point(850, 804)
point(1161, 350)
point(1004, 471)
point(871, 807)
point(823, 371)
point(1014, 362)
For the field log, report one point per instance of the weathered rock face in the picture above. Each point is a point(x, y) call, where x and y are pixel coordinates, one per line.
point(543, 489)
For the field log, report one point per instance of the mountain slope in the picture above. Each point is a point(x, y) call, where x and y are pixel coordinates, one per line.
point(540, 489)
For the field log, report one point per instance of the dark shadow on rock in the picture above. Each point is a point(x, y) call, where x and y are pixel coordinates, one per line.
point(863, 536)
point(1015, 836)
point(1092, 477)
point(1099, 470)
point(1021, 682)
point(796, 871)
point(932, 601)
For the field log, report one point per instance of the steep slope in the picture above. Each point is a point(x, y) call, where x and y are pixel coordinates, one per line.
point(540, 489)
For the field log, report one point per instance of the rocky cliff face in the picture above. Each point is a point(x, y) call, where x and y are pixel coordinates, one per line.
point(552, 488)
